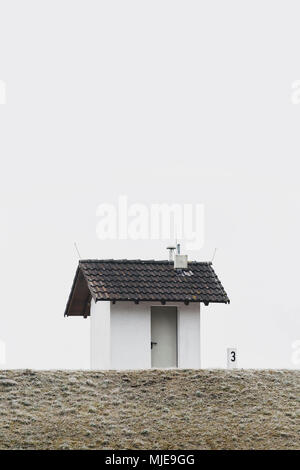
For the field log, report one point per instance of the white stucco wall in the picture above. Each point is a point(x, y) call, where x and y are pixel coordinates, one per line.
point(130, 336)
point(121, 335)
point(100, 335)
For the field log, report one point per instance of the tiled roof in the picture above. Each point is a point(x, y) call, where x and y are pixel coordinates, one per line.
point(143, 280)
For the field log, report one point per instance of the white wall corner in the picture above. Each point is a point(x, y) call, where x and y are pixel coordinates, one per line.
point(100, 335)
point(200, 337)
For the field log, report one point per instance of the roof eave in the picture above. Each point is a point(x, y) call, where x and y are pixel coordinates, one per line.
point(72, 292)
point(134, 299)
point(81, 288)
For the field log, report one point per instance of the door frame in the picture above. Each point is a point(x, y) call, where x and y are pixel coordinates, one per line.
point(176, 334)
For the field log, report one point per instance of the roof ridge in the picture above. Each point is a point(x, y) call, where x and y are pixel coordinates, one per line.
point(125, 260)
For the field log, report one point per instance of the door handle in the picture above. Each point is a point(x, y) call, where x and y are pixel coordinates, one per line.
point(152, 343)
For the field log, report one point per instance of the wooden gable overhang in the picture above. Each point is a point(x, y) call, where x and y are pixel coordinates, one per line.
point(79, 302)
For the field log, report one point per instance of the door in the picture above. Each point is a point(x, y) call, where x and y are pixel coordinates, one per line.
point(163, 337)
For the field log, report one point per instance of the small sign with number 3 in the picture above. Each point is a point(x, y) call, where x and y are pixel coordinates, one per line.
point(231, 358)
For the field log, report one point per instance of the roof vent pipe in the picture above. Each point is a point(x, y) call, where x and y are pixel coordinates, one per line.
point(180, 261)
point(171, 252)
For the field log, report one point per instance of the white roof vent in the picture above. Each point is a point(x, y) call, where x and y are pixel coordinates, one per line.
point(181, 262)
point(171, 252)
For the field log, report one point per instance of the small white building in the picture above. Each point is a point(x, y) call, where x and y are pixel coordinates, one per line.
point(144, 313)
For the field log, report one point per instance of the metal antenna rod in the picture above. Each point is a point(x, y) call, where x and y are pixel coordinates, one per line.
point(213, 255)
point(76, 248)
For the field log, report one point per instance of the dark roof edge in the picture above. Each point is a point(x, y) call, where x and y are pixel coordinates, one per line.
point(220, 284)
point(206, 302)
point(72, 291)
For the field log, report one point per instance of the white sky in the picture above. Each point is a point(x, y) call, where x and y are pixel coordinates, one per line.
point(163, 101)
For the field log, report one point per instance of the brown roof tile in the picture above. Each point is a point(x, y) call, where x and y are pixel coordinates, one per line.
point(143, 280)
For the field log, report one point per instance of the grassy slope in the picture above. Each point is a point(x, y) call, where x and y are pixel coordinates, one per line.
point(187, 409)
